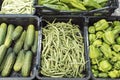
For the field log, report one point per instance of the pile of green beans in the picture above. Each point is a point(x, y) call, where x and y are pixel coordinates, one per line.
point(63, 50)
point(17, 7)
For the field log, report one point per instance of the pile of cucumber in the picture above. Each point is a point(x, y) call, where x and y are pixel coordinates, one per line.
point(17, 48)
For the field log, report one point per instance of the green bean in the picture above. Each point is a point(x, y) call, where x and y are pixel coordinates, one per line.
point(63, 50)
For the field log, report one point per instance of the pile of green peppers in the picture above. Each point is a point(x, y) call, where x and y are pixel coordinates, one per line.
point(104, 49)
point(73, 5)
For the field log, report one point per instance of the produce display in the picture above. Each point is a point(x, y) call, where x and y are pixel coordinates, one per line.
point(73, 5)
point(17, 49)
point(104, 49)
point(17, 7)
point(62, 50)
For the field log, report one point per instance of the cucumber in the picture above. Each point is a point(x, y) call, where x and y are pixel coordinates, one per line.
point(8, 39)
point(3, 49)
point(27, 64)
point(20, 60)
point(3, 30)
point(4, 60)
point(18, 45)
point(29, 40)
point(17, 32)
point(35, 44)
point(8, 64)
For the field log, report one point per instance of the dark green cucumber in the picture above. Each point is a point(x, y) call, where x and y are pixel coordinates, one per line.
point(35, 44)
point(8, 39)
point(3, 30)
point(29, 40)
point(27, 64)
point(20, 60)
point(18, 45)
point(8, 64)
point(4, 60)
point(17, 32)
point(3, 49)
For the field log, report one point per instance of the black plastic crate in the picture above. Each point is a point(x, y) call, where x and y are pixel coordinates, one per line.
point(111, 5)
point(91, 21)
point(75, 20)
point(24, 21)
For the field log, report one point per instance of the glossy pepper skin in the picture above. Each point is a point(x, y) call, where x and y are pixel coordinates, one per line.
point(74, 3)
point(94, 53)
point(105, 48)
point(105, 66)
point(99, 34)
point(114, 74)
point(109, 36)
point(101, 25)
point(91, 3)
point(91, 29)
point(116, 47)
point(92, 38)
point(103, 75)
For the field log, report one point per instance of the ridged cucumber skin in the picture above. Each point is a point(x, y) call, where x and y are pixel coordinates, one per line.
point(8, 64)
point(3, 49)
point(35, 44)
point(29, 40)
point(8, 39)
point(4, 60)
point(17, 32)
point(19, 61)
point(3, 30)
point(27, 64)
point(18, 45)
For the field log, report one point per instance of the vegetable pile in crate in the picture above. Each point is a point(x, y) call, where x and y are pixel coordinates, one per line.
point(84, 7)
point(17, 7)
point(104, 48)
point(63, 51)
point(18, 47)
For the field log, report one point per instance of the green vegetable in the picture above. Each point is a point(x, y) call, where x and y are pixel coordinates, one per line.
point(117, 65)
point(109, 36)
point(92, 3)
point(17, 32)
point(116, 23)
point(35, 45)
point(99, 34)
point(27, 64)
point(92, 38)
point(101, 25)
point(19, 61)
point(101, 1)
point(3, 49)
point(19, 43)
point(94, 53)
point(8, 64)
point(116, 47)
point(3, 30)
point(103, 75)
point(29, 39)
point(8, 39)
point(105, 48)
point(17, 7)
point(114, 74)
point(63, 50)
point(91, 29)
point(4, 60)
point(118, 40)
point(94, 67)
point(95, 73)
point(97, 43)
point(105, 66)
point(75, 3)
